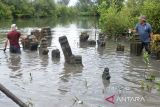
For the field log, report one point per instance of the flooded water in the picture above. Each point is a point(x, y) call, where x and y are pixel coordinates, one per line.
point(44, 82)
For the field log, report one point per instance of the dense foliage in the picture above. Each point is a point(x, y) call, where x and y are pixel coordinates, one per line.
point(117, 16)
point(34, 8)
point(87, 7)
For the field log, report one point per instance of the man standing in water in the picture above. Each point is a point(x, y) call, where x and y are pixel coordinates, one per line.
point(13, 38)
point(144, 30)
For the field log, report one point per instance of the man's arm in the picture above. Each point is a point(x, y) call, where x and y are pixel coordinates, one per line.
point(5, 45)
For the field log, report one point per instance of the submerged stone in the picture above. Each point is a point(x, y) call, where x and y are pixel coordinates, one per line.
point(101, 40)
point(69, 57)
point(120, 48)
point(84, 37)
point(43, 47)
point(91, 42)
point(106, 74)
point(56, 53)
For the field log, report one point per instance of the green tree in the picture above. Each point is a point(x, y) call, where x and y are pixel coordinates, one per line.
point(5, 11)
point(152, 10)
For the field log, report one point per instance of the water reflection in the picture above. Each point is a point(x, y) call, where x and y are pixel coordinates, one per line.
point(44, 61)
point(64, 80)
point(68, 71)
point(14, 62)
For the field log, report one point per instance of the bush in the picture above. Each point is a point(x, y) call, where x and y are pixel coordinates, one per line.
point(5, 11)
point(151, 9)
point(113, 22)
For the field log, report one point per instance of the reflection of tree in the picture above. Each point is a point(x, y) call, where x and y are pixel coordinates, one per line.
point(87, 22)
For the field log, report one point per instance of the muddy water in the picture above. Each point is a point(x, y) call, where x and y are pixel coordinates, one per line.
point(44, 82)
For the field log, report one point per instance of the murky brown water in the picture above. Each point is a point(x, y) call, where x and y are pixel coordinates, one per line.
point(51, 83)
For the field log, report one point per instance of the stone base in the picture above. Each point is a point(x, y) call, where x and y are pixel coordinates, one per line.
point(101, 43)
point(106, 75)
point(84, 37)
point(91, 42)
point(33, 46)
point(155, 55)
point(43, 51)
point(136, 48)
point(75, 59)
point(56, 53)
point(120, 48)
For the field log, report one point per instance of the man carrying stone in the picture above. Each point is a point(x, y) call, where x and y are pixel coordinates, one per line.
point(144, 31)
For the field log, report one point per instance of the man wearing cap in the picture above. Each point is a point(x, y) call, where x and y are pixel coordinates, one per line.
point(13, 38)
point(144, 31)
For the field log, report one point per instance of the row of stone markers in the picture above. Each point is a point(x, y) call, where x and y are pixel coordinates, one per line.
point(32, 40)
point(101, 39)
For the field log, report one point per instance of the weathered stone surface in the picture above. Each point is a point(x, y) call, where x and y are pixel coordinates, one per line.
point(120, 48)
point(101, 40)
point(106, 74)
point(91, 42)
point(69, 57)
point(46, 32)
point(43, 47)
point(65, 48)
point(30, 43)
point(37, 34)
point(56, 53)
point(84, 37)
point(136, 46)
point(76, 59)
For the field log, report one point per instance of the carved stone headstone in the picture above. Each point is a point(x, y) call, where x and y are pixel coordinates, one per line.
point(46, 32)
point(69, 57)
point(43, 47)
point(56, 53)
point(106, 74)
point(136, 46)
point(91, 42)
point(101, 40)
point(84, 37)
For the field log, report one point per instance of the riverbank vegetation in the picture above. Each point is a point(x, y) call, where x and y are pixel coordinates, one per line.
point(117, 16)
point(34, 8)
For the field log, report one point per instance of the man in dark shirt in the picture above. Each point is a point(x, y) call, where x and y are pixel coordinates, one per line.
point(13, 38)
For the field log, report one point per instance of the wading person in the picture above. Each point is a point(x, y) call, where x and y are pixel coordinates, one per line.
point(144, 31)
point(13, 38)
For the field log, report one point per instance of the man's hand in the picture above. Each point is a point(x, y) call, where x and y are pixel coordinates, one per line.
point(4, 49)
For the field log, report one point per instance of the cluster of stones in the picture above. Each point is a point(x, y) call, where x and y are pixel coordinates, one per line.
point(155, 46)
point(30, 43)
point(69, 57)
point(136, 45)
point(120, 47)
point(101, 40)
point(32, 40)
